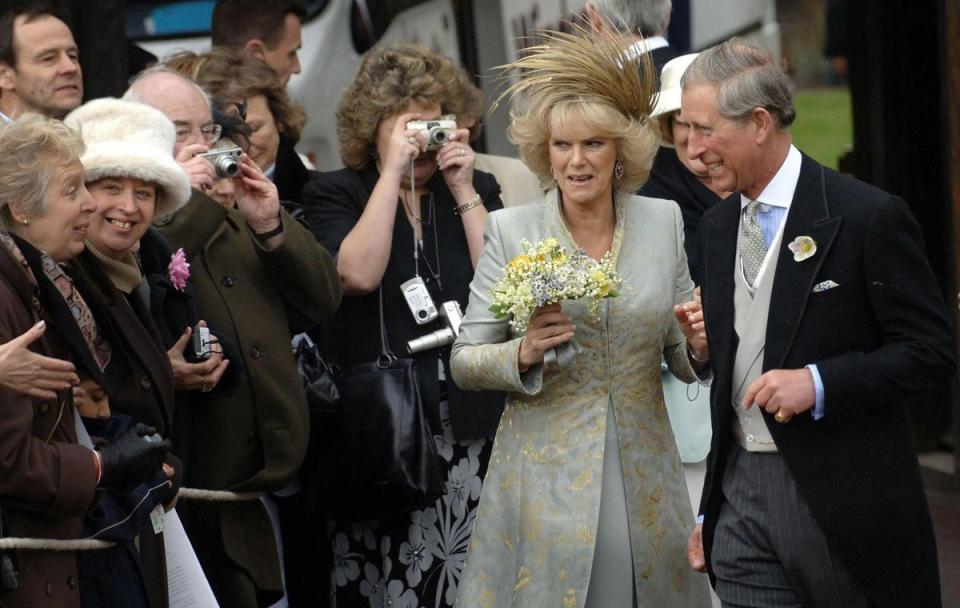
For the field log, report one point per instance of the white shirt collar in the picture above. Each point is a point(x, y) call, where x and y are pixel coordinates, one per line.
point(645, 46)
point(779, 192)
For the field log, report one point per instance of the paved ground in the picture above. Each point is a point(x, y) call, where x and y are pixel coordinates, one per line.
point(945, 509)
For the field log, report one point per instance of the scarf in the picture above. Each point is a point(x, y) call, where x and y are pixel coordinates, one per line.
point(60, 298)
point(124, 273)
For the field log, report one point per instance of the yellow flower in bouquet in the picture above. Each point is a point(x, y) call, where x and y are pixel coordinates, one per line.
point(545, 273)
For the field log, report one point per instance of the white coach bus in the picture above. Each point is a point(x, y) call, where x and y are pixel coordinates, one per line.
point(480, 34)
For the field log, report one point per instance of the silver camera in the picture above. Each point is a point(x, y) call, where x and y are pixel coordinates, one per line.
point(202, 348)
point(419, 300)
point(436, 132)
point(225, 161)
point(450, 311)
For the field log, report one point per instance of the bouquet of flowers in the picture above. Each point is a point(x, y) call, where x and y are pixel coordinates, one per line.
point(545, 273)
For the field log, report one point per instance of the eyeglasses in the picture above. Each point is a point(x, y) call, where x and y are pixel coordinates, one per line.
point(209, 132)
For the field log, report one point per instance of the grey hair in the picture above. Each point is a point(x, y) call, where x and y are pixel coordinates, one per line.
point(746, 78)
point(135, 92)
point(34, 149)
point(644, 17)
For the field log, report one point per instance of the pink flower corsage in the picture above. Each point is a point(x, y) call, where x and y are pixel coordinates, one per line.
point(179, 269)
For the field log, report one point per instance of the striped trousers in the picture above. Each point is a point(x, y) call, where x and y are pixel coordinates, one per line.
point(767, 550)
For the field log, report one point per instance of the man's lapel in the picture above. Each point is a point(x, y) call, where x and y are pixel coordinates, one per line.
point(809, 215)
point(719, 264)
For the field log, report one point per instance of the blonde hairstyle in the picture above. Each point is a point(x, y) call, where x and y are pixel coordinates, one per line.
point(580, 79)
point(389, 79)
point(530, 130)
point(34, 149)
point(230, 75)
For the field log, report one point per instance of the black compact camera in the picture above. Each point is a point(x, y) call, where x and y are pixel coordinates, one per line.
point(201, 343)
point(225, 161)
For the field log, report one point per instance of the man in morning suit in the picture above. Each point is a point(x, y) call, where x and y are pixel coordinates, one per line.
point(641, 23)
point(822, 313)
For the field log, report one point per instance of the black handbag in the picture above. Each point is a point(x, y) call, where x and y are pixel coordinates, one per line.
point(316, 375)
point(381, 458)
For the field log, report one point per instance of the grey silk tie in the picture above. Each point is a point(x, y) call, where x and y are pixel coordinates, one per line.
point(752, 246)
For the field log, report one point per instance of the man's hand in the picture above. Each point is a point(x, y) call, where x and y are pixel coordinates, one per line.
point(695, 550)
point(788, 391)
point(201, 376)
point(257, 197)
point(198, 169)
point(690, 317)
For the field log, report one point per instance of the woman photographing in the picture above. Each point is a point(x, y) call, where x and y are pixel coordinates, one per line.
point(404, 210)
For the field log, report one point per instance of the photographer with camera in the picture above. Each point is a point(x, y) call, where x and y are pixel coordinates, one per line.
point(258, 277)
point(251, 88)
point(406, 220)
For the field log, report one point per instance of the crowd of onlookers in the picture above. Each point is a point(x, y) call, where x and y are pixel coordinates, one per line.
point(152, 282)
point(159, 252)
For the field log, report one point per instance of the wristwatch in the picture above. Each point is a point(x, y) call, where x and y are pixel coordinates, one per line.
point(473, 202)
point(266, 236)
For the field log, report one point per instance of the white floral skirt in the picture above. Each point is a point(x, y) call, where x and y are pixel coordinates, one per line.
point(413, 560)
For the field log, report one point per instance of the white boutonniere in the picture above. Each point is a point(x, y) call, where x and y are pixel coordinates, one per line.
point(803, 247)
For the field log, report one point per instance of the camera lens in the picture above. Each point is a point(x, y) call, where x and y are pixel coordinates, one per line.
point(422, 314)
point(439, 136)
point(227, 167)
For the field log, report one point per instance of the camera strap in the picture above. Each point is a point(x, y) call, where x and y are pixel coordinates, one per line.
point(431, 221)
point(416, 243)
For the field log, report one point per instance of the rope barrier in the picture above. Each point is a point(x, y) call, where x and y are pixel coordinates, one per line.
point(92, 544)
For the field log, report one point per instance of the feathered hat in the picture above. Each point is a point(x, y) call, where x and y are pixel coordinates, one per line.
point(584, 66)
point(131, 139)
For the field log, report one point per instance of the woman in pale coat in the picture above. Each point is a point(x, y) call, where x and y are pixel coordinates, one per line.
point(585, 502)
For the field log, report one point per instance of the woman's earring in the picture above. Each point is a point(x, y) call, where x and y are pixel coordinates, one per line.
point(25, 221)
point(618, 170)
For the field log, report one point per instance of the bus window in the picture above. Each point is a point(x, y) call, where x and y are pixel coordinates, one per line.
point(370, 19)
point(159, 19)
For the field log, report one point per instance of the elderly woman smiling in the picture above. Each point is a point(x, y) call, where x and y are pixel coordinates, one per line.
point(48, 477)
point(133, 178)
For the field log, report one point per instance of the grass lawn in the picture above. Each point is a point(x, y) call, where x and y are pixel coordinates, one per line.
point(824, 127)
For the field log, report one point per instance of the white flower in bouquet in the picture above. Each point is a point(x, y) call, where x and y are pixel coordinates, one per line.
point(545, 273)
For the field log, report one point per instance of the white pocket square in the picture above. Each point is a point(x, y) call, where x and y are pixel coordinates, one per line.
point(824, 286)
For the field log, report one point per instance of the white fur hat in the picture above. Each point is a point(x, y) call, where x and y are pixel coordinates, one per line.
point(131, 139)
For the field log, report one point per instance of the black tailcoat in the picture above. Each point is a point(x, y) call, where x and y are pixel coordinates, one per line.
point(881, 334)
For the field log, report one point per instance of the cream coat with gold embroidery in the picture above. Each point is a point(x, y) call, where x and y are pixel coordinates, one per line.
point(535, 533)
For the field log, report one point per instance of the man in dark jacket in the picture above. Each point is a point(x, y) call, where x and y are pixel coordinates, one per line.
point(642, 23)
point(822, 314)
point(259, 277)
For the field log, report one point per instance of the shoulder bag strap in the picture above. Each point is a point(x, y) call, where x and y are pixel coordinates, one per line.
point(386, 357)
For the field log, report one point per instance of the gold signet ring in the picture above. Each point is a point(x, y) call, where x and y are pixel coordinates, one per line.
point(779, 417)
